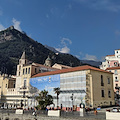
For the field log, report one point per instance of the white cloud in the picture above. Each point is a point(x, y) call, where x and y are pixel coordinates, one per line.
point(16, 24)
point(1, 27)
point(101, 4)
point(78, 56)
point(90, 57)
point(64, 43)
point(63, 50)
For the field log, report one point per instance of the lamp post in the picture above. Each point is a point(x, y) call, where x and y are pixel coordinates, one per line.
point(117, 94)
point(72, 100)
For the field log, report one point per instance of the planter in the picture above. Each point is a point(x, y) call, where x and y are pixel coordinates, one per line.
point(54, 113)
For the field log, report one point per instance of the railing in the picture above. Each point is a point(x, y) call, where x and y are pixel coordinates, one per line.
point(12, 91)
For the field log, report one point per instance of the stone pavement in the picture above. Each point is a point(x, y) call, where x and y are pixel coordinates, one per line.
point(13, 116)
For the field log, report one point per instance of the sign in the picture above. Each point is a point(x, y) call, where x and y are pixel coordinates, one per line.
point(19, 111)
point(46, 82)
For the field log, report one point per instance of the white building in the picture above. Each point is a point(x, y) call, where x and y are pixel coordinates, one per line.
point(111, 60)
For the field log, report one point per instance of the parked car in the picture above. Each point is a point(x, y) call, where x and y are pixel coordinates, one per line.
point(2, 107)
point(108, 110)
point(115, 110)
point(118, 109)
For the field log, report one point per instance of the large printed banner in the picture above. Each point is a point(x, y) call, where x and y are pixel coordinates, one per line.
point(46, 82)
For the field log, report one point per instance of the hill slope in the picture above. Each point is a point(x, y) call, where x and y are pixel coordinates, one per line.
point(14, 42)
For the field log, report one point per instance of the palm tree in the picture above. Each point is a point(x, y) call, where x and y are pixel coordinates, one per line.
point(44, 99)
point(57, 91)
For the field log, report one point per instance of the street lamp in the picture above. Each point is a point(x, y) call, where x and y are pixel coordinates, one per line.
point(117, 94)
point(72, 100)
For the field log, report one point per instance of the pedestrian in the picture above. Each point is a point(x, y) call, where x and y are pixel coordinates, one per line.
point(95, 112)
point(86, 110)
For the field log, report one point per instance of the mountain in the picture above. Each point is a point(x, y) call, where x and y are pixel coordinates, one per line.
point(92, 63)
point(89, 62)
point(14, 42)
point(52, 49)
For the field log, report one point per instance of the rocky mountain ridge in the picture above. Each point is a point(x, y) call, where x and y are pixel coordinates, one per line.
point(14, 42)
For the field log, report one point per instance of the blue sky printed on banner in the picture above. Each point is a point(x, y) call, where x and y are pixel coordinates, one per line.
point(46, 82)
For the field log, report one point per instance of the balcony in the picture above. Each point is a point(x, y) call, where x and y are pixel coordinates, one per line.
point(116, 80)
point(87, 84)
point(12, 91)
point(117, 87)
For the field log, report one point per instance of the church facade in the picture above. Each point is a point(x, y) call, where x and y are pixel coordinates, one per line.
point(15, 91)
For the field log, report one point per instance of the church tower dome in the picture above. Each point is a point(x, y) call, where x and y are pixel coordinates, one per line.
point(48, 61)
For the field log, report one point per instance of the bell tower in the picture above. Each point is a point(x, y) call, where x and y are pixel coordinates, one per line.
point(22, 61)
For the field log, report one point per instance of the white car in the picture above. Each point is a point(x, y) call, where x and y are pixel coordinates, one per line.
point(118, 109)
point(115, 109)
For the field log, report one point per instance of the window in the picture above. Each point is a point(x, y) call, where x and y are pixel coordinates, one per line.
point(19, 67)
point(102, 84)
point(19, 73)
point(86, 89)
point(29, 70)
point(115, 71)
point(35, 70)
point(116, 79)
point(109, 94)
point(108, 80)
point(6, 86)
point(102, 92)
point(26, 70)
point(24, 83)
point(14, 85)
point(23, 71)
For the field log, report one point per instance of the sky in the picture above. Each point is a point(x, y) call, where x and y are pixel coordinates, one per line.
point(87, 29)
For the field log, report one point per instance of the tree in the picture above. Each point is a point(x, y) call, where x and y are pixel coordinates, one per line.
point(44, 99)
point(57, 91)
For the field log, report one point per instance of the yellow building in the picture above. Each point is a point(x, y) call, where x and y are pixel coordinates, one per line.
point(86, 84)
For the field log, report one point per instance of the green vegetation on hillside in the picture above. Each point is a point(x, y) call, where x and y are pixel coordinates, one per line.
point(11, 51)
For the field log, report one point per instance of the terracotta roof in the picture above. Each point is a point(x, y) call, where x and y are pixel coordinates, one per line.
point(113, 68)
point(40, 65)
point(62, 65)
point(86, 67)
point(117, 49)
point(110, 55)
